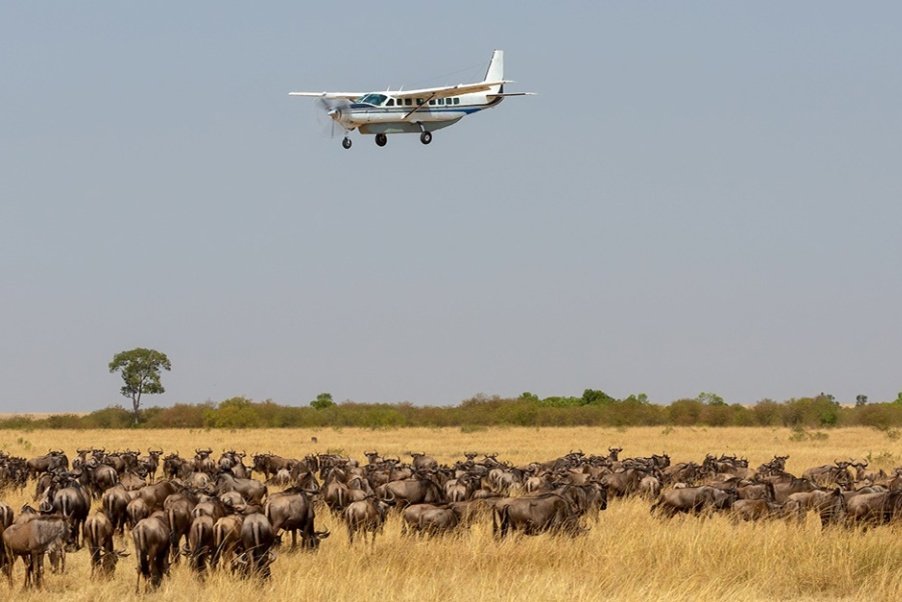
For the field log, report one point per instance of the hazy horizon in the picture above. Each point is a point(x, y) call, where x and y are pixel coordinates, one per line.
point(701, 198)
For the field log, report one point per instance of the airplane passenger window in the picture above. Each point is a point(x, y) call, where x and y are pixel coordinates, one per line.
point(408, 101)
point(457, 101)
point(419, 101)
point(432, 102)
point(441, 101)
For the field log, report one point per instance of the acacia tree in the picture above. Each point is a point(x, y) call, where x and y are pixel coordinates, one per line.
point(140, 370)
point(322, 401)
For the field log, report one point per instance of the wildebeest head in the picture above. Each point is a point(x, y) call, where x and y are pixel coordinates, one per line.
point(108, 560)
point(318, 536)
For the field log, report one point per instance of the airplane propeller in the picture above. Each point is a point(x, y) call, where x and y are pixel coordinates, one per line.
point(332, 108)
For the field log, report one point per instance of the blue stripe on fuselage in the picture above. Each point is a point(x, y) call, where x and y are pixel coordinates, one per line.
point(468, 109)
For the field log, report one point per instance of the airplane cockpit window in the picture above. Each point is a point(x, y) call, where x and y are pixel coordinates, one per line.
point(372, 99)
point(391, 102)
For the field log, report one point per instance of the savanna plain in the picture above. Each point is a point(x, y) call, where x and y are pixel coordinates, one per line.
point(626, 555)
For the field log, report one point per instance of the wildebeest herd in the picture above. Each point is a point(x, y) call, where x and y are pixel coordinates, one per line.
point(217, 516)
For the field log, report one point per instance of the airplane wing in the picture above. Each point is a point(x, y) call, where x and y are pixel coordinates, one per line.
point(348, 95)
point(504, 94)
point(446, 91)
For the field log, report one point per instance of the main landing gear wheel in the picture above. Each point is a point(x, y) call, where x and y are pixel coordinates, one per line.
point(381, 139)
point(346, 143)
point(426, 137)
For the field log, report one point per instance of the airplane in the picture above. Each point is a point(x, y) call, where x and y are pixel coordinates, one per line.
point(414, 111)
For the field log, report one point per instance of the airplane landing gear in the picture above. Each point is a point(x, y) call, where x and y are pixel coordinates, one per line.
point(381, 139)
point(346, 143)
point(426, 137)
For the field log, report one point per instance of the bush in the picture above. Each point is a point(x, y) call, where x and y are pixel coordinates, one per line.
point(594, 408)
point(113, 417)
point(180, 415)
point(237, 412)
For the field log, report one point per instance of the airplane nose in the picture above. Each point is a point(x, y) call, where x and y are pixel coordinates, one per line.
point(335, 114)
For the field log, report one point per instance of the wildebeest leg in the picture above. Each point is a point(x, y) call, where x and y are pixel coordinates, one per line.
point(294, 539)
point(29, 570)
point(6, 562)
point(37, 561)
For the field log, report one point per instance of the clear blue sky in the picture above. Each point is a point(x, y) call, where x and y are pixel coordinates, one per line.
point(703, 197)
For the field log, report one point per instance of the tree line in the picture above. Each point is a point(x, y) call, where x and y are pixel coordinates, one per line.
point(592, 408)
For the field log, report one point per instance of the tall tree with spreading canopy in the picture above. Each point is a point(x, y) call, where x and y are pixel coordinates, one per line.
point(140, 370)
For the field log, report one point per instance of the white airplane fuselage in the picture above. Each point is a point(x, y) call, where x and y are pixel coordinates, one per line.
point(383, 119)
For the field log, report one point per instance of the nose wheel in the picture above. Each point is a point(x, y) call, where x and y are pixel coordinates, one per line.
point(346, 143)
point(426, 137)
point(381, 139)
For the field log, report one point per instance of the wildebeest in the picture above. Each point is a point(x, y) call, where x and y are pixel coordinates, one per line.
point(54, 460)
point(692, 500)
point(98, 537)
point(175, 466)
point(759, 508)
point(270, 464)
point(150, 463)
point(226, 539)
point(30, 539)
point(257, 539)
point(365, 516)
point(335, 495)
point(178, 508)
point(154, 495)
point(423, 462)
point(74, 503)
point(292, 511)
point(830, 505)
point(251, 490)
point(136, 510)
point(783, 488)
point(422, 489)
point(874, 508)
point(114, 503)
point(203, 462)
point(6, 516)
point(152, 542)
point(99, 477)
point(623, 483)
point(199, 549)
point(429, 519)
point(829, 474)
point(536, 514)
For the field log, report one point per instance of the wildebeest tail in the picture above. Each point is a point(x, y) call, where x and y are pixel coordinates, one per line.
point(141, 552)
point(218, 542)
point(500, 520)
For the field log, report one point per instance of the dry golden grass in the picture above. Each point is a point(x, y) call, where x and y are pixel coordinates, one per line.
point(627, 554)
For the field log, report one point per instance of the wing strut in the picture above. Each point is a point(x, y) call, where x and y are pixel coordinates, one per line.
point(417, 108)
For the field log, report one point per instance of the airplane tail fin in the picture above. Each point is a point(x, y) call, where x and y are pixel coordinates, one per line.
point(495, 72)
